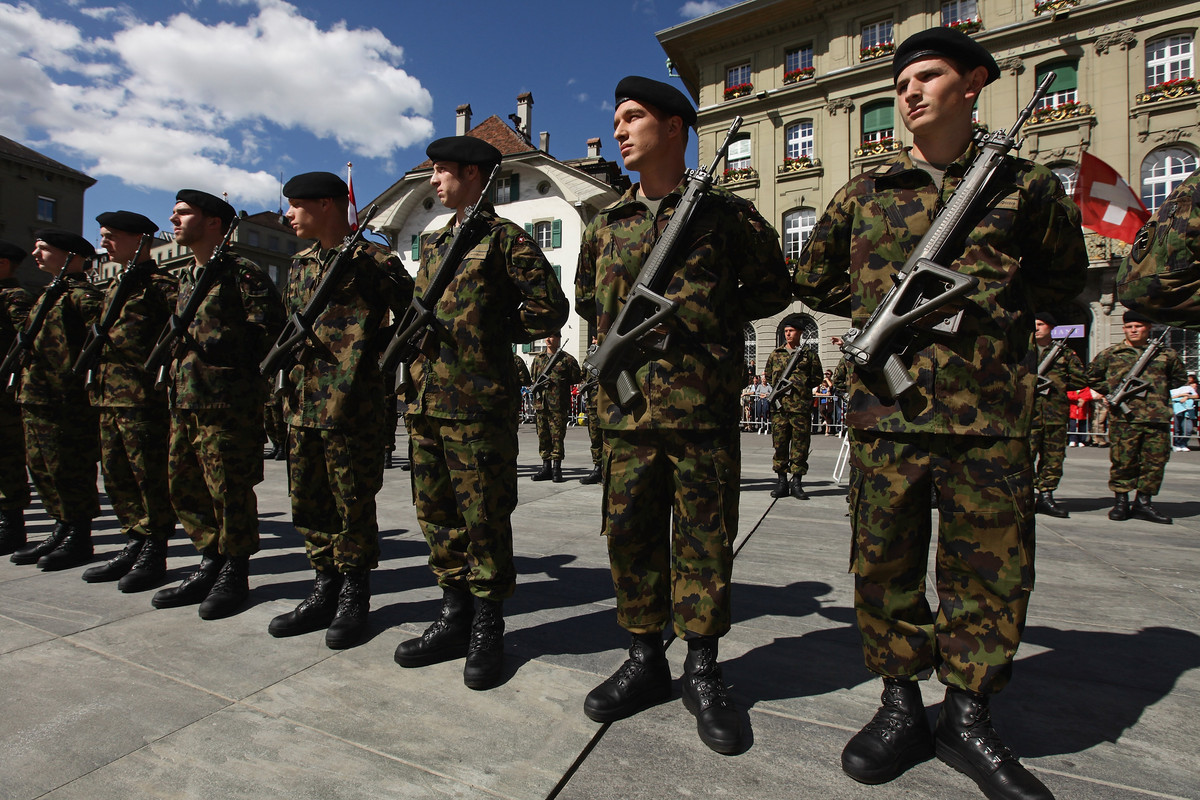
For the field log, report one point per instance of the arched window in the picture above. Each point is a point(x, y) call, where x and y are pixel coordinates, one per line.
point(1168, 59)
point(1065, 88)
point(797, 227)
point(1162, 171)
point(1068, 174)
point(798, 139)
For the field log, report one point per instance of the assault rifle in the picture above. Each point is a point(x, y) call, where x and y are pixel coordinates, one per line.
point(784, 386)
point(1131, 384)
point(298, 330)
point(98, 334)
point(924, 285)
point(169, 342)
point(1048, 361)
point(22, 346)
point(645, 308)
point(418, 321)
point(543, 379)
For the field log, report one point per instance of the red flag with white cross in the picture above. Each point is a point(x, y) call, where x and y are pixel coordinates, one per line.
point(1109, 206)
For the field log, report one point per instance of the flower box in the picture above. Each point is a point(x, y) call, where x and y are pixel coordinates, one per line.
point(1058, 112)
point(738, 90)
point(876, 51)
point(1166, 90)
point(797, 75)
point(739, 174)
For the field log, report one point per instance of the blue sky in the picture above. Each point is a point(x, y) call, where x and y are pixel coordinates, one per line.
point(224, 95)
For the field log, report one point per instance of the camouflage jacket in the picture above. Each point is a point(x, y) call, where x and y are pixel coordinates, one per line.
point(557, 394)
point(1026, 251)
point(15, 302)
point(338, 383)
point(1161, 275)
point(804, 378)
point(1066, 374)
point(121, 380)
point(729, 271)
point(47, 379)
point(1163, 373)
point(522, 369)
point(504, 291)
point(234, 327)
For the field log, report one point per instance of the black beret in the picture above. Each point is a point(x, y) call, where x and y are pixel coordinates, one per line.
point(65, 240)
point(1136, 316)
point(947, 43)
point(1046, 317)
point(663, 96)
point(314, 186)
point(126, 221)
point(210, 204)
point(11, 252)
point(794, 321)
point(463, 150)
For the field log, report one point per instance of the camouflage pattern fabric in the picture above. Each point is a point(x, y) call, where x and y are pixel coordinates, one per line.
point(1048, 431)
point(1138, 455)
point(15, 303)
point(62, 447)
point(47, 379)
point(553, 403)
point(1161, 275)
point(133, 448)
point(791, 422)
point(274, 421)
point(595, 433)
point(985, 555)
point(791, 438)
point(464, 485)
point(121, 381)
point(663, 574)
point(523, 378)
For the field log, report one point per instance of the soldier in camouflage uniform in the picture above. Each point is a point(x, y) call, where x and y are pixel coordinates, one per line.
point(791, 419)
point(961, 433)
point(552, 402)
point(217, 396)
point(15, 303)
point(595, 434)
point(62, 442)
point(135, 422)
point(1048, 432)
point(1140, 440)
point(276, 426)
point(336, 406)
point(677, 454)
point(462, 413)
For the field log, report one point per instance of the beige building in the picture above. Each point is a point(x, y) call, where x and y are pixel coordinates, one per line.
point(813, 82)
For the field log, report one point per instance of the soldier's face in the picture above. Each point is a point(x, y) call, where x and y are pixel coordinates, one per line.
point(191, 225)
point(454, 183)
point(791, 336)
point(1041, 331)
point(1136, 333)
point(642, 135)
point(552, 343)
point(301, 215)
point(931, 94)
point(121, 245)
point(48, 257)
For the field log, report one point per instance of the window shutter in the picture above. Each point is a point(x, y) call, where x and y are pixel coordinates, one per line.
point(529, 230)
point(525, 348)
point(557, 271)
point(416, 247)
point(877, 118)
point(513, 194)
point(556, 233)
point(1066, 76)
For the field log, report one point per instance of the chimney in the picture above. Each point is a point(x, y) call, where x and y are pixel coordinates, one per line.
point(525, 114)
point(545, 142)
point(593, 146)
point(463, 122)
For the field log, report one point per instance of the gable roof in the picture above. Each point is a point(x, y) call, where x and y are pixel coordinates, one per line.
point(498, 134)
point(20, 152)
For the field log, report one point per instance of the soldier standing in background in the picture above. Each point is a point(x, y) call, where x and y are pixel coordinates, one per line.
point(62, 442)
point(961, 433)
point(337, 410)
point(595, 435)
point(1140, 441)
point(15, 303)
point(135, 422)
point(1048, 434)
point(217, 396)
point(552, 403)
point(791, 420)
point(276, 426)
point(462, 414)
point(677, 456)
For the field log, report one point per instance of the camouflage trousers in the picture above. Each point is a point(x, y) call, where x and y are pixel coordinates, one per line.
point(464, 485)
point(275, 423)
point(215, 461)
point(133, 449)
point(791, 434)
point(663, 574)
point(1048, 446)
point(983, 490)
point(551, 426)
point(335, 475)
point(14, 479)
point(595, 434)
point(62, 446)
point(1138, 454)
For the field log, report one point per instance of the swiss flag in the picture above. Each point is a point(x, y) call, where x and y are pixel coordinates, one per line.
point(352, 209)
point(1109, 206)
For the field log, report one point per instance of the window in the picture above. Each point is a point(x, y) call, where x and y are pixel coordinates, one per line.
point(1162, 171)
point(1068, 174)
point(1063, 91)
point(876, 39)
point(797, 227)
point(736, 76)
point(797, 63)
point(47, 209)
point(252, 238)
point(505, 189)
point(1168, 59)
point(959, 13)
point(750, 353)
point(547, 233)
point(738, 156)
point(798, 140)
point(272, 242)
point(877, 122)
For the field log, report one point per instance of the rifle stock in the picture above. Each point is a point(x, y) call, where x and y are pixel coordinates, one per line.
point(1043, 383)
point(98, 334)
point(543, 378)
point(784, 386)
point(1132, 384)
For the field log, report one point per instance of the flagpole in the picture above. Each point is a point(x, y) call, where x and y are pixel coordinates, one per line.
point(352, 208)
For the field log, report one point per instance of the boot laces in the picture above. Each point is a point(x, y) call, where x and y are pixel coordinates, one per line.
point(485, 630)
point(228, 580)
point(709, 684)
point(891, 719)
point(145, 556)
point(979, 728)
point(350, 598)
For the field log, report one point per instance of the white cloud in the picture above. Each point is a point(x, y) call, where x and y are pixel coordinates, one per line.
point(698, 8)
point(183, 102)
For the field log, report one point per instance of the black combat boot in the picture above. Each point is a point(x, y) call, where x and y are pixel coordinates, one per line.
point(281, 453)
point(30, 553)
point(705, 696)
point(195, 587)
point(1047, 506)
point(314, 612)
point(1143, 510)
point(119, 565)
point(349, 625)
point(782, 487)
point(642, 681)
point(1120, 509)
point(545, 473)
point(798, 490)
point(270, 456)
point(965, 739)
point(12, 531)
point(149, 569)
point(896, 738)
point(231, 590)
point(593, 477)
point(485, 653)
point(447, 638)
point(74, 550)
point(556, 467)
point(388, 459)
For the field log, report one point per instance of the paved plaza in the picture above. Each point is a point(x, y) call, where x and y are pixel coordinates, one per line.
point(102, 697)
